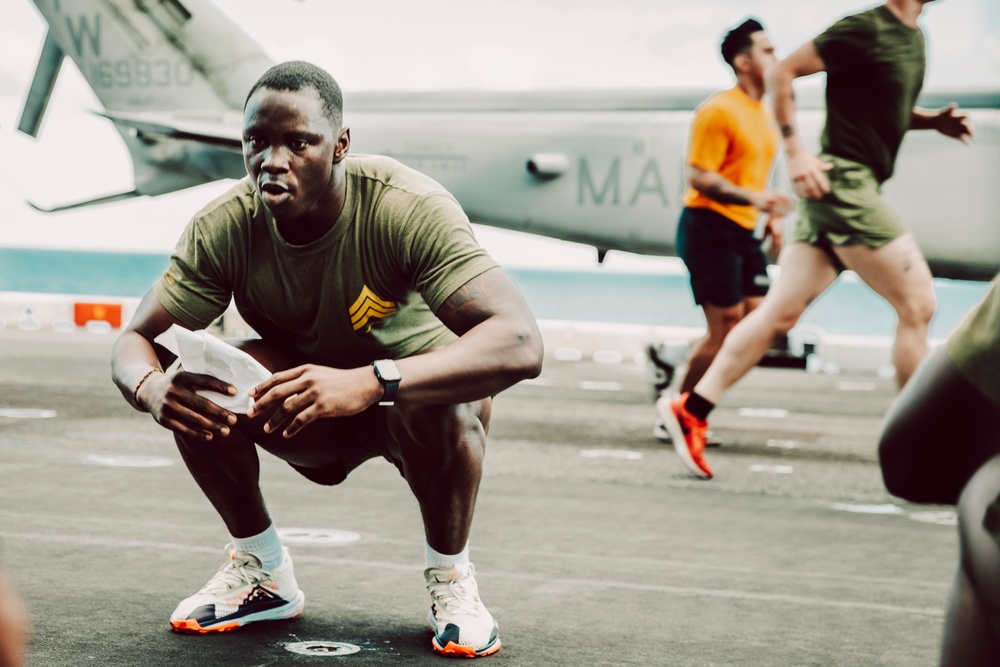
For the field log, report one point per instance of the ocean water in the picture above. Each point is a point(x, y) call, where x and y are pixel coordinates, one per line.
point(596, 295)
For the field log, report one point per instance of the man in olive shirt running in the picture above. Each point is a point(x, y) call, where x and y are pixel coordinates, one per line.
point(875, 68)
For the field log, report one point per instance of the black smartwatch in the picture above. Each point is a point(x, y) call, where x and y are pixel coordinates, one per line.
point(388, 375)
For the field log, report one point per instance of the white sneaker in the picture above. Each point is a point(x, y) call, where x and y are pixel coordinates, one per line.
point(241, 592)
point(460, 621)
point(661, 433)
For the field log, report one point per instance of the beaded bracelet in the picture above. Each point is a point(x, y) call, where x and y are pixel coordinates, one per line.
point(135, 392)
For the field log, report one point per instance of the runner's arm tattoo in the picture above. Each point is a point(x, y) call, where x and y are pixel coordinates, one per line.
point(725, 192)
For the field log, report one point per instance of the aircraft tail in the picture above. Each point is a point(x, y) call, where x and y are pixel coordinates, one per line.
point(179, 58)
point(154, 56)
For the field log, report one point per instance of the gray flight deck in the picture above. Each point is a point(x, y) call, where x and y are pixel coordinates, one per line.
point(592, 544)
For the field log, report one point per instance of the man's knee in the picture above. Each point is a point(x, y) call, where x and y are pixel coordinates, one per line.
point(917, 309)
point(442, 431)
point(783, 316)
point(721, 324)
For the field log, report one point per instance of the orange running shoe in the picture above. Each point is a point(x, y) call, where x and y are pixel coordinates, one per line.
point(687, 433)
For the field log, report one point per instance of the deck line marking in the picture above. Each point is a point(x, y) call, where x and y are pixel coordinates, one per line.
point(594, 385)
point(539, 555)
point(682, 591)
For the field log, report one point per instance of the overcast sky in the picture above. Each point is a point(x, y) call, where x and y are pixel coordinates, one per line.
point(430, 44)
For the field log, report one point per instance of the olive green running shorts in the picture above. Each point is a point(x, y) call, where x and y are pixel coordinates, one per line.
point(852, 213)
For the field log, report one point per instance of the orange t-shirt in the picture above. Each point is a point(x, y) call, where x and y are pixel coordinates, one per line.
point(735, 136)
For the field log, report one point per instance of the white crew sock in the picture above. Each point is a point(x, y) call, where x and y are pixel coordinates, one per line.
point(435, 559)
point(266, 546)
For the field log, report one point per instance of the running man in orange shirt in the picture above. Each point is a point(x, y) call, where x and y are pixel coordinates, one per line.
point(734, 139)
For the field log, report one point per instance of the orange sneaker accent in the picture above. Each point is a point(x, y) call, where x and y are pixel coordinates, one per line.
point(461, 650)
point(192, 626)
point(687, 433)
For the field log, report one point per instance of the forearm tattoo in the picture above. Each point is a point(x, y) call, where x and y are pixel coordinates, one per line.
point(721, 191)
point(787, 131)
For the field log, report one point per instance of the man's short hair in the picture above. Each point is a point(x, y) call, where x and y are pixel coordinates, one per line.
point(298, 75)
point(739, 40)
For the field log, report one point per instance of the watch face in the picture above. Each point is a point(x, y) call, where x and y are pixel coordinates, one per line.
point(387, 371)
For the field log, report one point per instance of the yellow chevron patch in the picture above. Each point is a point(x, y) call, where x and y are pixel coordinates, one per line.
point(368, 309)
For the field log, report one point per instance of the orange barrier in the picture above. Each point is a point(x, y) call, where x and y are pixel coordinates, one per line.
point(105, 312)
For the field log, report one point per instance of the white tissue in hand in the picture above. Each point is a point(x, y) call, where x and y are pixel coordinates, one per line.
point(201, 352)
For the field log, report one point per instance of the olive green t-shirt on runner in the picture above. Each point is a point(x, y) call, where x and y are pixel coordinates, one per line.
point(365, 290)
point(875, 70)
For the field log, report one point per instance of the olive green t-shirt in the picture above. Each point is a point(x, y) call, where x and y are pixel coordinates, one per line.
point(875, 70)
point(974, 347)
point(365, 290)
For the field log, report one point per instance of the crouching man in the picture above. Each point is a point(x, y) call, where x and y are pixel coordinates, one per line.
point(387, 330)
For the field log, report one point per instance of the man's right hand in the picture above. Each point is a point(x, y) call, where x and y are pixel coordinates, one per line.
point(808, 175)
point(775, 203)
point(171, 399)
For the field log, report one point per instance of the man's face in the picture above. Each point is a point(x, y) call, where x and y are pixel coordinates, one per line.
point(289, 148)
point(761, 56)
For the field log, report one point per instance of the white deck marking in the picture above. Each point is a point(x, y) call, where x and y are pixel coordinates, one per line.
point(942, 518)
point(771, 468)
point(608, 357)
point(27, 413)
point(783, 444)
point(856, 386)
point(766, 413)
point(98, 327)
point(127, 461)
point(610, 454)
point(887, 508)
point(594, 385)
point(567, 354)
point(327, 537)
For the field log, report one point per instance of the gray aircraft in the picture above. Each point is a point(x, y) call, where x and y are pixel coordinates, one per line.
point(599, 167)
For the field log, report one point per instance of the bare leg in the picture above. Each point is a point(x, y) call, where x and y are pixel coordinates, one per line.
point(442, 449)
point(228, 469)
point(805, 273)
point(719, 322)
point(899, 273)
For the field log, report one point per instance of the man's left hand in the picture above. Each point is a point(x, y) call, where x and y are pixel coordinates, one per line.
point(953, 123)
point(299, 396)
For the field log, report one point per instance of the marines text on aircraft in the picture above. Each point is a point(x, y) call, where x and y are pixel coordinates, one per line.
point(600, 167)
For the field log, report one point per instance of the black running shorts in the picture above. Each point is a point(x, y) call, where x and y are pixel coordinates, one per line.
point(725, 260)
point(355, 440)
